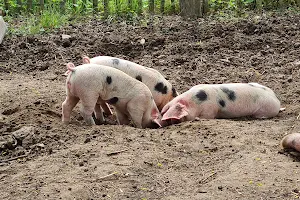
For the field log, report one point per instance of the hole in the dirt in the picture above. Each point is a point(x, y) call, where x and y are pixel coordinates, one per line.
point(10, 111)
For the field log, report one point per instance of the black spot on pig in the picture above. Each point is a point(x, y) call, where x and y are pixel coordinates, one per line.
point(201, 95)
point(222, 103)
point(108, 79)
point(160, 87)
point(113, 100)
point(139, 78)
point(174, 93)
point(230, 93)
point(115, 61)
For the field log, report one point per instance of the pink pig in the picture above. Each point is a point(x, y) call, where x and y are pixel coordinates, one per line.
point(222, 101)
point(93, 83)
point(291, 141)
point(161, 89)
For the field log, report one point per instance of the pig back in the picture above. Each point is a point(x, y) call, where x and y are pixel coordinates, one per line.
point(102, 79)
point(237, 99)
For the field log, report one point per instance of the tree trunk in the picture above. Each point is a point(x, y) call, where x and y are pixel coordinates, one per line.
point(19, 6)
point(29, 6)
point(106, 9)
point(130, 5)
point(259, 5)
point(140, 7)
point(193, 8)
point(162, 6)
point(151, 7)
point(173, 6)
point(6, 6)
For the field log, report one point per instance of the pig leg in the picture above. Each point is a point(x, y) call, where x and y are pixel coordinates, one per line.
point(146, 120)
point(122, 118)
point(136, 116)
point(87, 114)
point(135, 110)
point(208, 112)
point(67, 107)
point(99, 114)
point(99, 108)
point(87, 108)
point(105, 107)
point(267, 110)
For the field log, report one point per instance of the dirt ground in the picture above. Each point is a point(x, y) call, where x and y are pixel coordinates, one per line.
point(41, 158)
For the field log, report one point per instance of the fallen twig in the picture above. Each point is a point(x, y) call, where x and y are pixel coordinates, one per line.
point(15, 158)
point(204, 179)
point(109, 175)
point(116, 152)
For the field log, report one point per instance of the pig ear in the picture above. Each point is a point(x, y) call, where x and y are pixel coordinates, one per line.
point(176, 112)
point(165, 109)
point(86, 60)
point(70, 65)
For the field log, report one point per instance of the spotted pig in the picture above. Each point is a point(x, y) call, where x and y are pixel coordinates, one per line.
point(161, 89)
point(291, 141)
point(93, 83)
point(222, 101)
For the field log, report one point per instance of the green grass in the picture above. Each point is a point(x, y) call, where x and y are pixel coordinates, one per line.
point(52, 17)
point(32, 24)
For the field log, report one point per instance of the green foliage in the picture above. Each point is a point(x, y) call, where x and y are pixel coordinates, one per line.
point(48, 20)
point(56, 14)
point(232, 5)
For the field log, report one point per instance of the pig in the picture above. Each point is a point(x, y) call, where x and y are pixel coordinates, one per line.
point(3, 28)
point(92, 83)
point(161, 89)
point(291, 141)
point(222, 101)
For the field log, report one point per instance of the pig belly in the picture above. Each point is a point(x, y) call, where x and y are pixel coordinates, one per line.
point(267, 110)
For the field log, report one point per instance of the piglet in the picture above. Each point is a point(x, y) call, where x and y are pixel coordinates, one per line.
point(3, 28)
point(291, 141)
point(222, 101)
point(161, 89)
point(93, 83)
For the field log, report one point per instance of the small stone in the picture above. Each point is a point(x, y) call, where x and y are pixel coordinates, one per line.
point(87, 140)
point(41, 145)
point(50, 151)
point(66, 43)
point(81, 164)
point(63, 36)
point(297, 45)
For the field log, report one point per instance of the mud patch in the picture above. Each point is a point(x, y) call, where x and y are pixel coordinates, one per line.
point(204, 159)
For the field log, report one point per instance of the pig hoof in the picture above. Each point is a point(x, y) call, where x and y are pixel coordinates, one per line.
point(66, 122)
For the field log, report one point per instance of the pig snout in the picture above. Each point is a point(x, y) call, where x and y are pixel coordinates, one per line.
point(291, 141)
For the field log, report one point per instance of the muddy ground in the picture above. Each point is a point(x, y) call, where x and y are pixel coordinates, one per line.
point(205, 159)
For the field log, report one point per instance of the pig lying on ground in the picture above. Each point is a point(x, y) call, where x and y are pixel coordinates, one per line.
point(222, 101)
point(93, 83)
point(291, 141)
point(161, 89)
